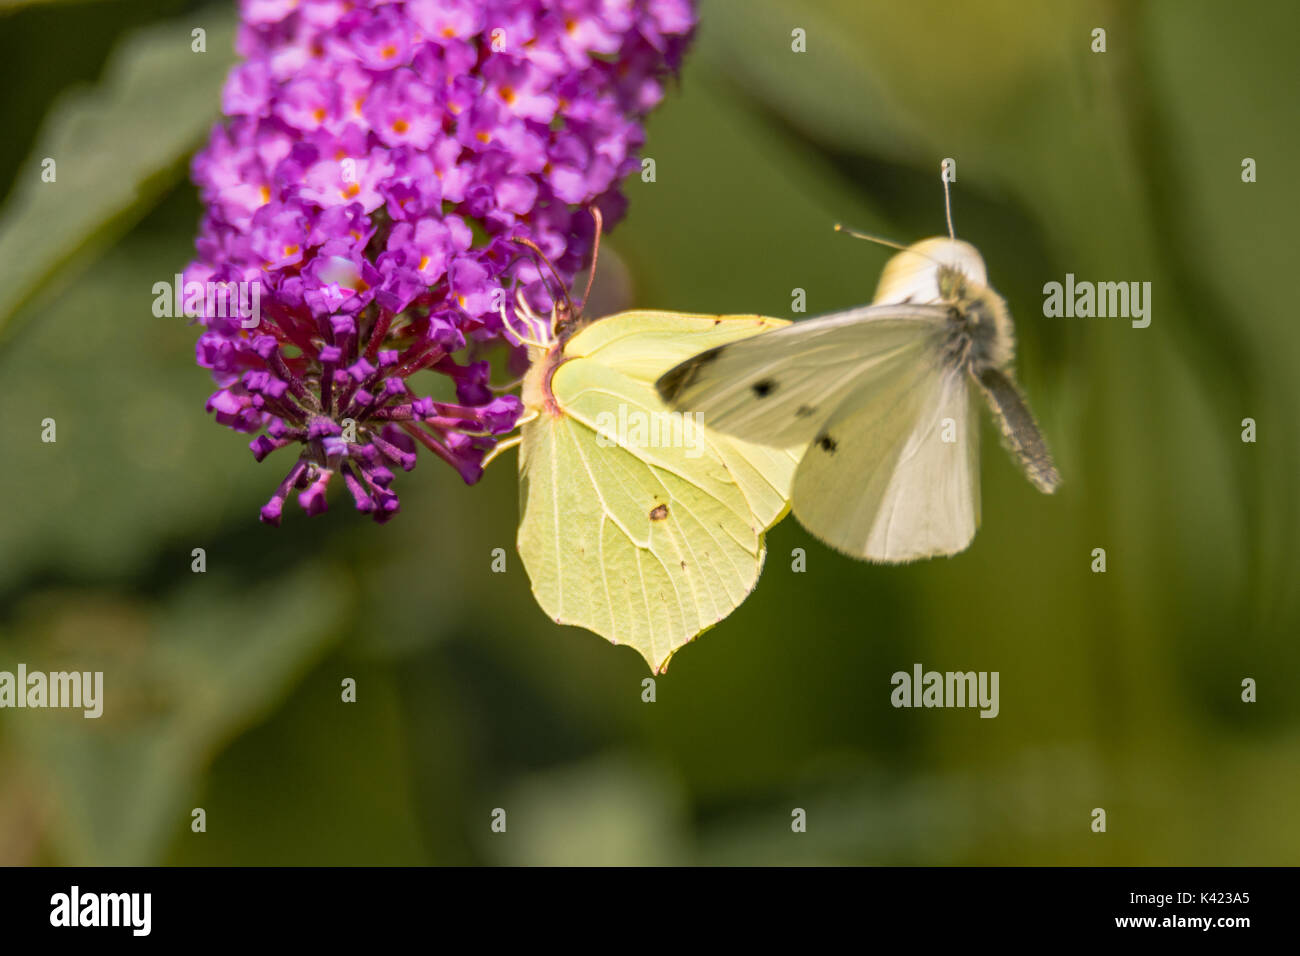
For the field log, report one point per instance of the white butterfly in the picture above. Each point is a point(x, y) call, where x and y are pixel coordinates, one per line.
point(882, 397)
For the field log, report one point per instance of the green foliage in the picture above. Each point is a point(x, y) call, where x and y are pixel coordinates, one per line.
point(116, 150)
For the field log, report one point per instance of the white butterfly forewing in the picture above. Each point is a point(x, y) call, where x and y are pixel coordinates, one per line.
point(894, 476)
point(779, 388)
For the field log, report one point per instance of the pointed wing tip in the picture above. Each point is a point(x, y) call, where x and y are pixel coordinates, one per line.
point(673, 382)
point(659, 666)
point(676, 380)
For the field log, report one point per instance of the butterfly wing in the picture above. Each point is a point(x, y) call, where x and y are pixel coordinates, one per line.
point(643, 344)
point(894, 475)
point(645, 541)
point(782, 387)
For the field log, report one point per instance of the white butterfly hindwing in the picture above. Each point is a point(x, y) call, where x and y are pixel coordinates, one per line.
point(894, 475)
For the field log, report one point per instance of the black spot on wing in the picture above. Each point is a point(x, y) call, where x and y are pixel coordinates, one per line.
point(827, 444)
point(764, 388)
point(803, 411)
point(658, 512)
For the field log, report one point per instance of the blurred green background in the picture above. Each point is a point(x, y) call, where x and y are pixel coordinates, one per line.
point(1119, 690)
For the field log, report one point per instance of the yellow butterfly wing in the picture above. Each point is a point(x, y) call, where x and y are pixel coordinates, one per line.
point(638, 524)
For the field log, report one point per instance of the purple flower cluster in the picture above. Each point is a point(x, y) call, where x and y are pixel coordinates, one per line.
point(378, 160)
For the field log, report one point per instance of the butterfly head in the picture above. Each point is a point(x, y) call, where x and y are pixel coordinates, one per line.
point(546, 335)
point(932, 270)
point(952, 273)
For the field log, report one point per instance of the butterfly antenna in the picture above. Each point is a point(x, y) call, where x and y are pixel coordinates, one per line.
point(885, 242)
point(523, 241)
point(947, 207)
point(870, 238)
point(595, 253)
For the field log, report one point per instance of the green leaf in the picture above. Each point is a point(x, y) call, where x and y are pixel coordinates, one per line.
point(116, 149)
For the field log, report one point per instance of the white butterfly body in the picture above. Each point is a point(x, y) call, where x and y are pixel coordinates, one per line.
point(882, 398)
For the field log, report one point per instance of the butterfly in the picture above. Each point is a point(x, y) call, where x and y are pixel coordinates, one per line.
point(636, 522)
point(883, 400)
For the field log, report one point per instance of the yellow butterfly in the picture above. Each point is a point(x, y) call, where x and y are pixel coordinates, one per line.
point(636, 521)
